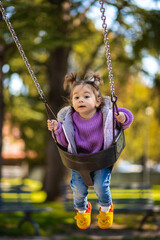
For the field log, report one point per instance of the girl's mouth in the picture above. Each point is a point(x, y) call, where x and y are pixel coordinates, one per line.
point(81, 106)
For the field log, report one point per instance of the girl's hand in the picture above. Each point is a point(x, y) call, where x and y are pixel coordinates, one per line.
point(121, 117)
point(52, 125)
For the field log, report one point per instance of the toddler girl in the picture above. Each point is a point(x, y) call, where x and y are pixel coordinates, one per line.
point(82, 128)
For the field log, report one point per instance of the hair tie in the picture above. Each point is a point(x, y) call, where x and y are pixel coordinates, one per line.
point(93, 79)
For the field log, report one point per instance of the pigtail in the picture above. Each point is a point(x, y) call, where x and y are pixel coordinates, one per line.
point(94, 78)
point(70, 79)
point(97, 78)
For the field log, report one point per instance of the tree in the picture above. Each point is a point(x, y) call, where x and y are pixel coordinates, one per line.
point(2, 49)
point(58, 41)
point(57, 37)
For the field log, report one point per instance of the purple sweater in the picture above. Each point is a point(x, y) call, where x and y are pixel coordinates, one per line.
point(89, 132)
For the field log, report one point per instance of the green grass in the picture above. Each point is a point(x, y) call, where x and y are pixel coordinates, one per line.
point(61, 222)
point(57, 221)
point(156, 194)
point(37, 195)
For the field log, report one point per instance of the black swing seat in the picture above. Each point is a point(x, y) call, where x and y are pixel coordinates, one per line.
point(85, 164)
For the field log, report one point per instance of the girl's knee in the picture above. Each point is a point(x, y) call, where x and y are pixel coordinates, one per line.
point(77, 184)
point(101, 189)
point(102, 179)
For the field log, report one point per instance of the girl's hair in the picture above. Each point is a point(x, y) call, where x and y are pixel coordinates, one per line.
point(92, 79)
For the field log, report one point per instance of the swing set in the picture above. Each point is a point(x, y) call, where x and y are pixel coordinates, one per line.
point(84, 164)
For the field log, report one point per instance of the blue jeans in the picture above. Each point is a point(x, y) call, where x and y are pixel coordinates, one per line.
point(101, 181)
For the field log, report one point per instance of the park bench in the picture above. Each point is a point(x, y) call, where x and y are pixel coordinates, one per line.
point(15, 199)
point(132, 198)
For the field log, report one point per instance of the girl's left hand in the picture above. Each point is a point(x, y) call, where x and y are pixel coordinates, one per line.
point(121, 117)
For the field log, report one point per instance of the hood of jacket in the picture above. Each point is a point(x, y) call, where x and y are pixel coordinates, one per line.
point(68, 110)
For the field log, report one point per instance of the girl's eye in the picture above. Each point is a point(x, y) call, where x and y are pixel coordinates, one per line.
point(87, 96)
point(76, 98)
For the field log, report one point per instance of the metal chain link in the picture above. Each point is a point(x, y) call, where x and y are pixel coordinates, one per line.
point(22, 52)
point(107, 49)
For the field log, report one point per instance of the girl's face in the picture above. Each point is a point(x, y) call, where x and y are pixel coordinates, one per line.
point(84, 101)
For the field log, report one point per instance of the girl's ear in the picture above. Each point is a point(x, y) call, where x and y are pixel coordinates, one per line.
point(99, 101)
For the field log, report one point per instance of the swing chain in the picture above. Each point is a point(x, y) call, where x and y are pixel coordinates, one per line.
point(22, 53)
point(107, 49)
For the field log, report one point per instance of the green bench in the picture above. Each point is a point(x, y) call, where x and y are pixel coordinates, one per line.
point(126, 199)
point(15, 199)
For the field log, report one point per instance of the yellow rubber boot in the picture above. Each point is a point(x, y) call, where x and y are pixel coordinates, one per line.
point(84, 219)
point(105, 219)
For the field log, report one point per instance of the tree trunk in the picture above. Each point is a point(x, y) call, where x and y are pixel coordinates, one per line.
point(55, 170)
point(2, 50)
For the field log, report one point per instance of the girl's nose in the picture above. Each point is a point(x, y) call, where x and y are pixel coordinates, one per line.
point(80, 99)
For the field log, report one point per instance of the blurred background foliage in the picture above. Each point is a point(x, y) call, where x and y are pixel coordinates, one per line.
point(61, 36)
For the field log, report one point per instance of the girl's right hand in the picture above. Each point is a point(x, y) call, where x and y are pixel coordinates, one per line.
point(52, 125)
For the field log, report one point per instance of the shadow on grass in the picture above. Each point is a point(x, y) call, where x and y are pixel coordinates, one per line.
point(61, 222)
point(56, 221)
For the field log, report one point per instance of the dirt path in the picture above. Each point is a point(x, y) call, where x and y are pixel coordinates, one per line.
point(110, 235)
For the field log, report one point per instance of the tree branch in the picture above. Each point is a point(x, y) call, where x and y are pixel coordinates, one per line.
point(81, 16)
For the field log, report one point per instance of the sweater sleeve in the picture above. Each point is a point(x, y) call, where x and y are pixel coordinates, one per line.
point(60, 136)
point(129, 118)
